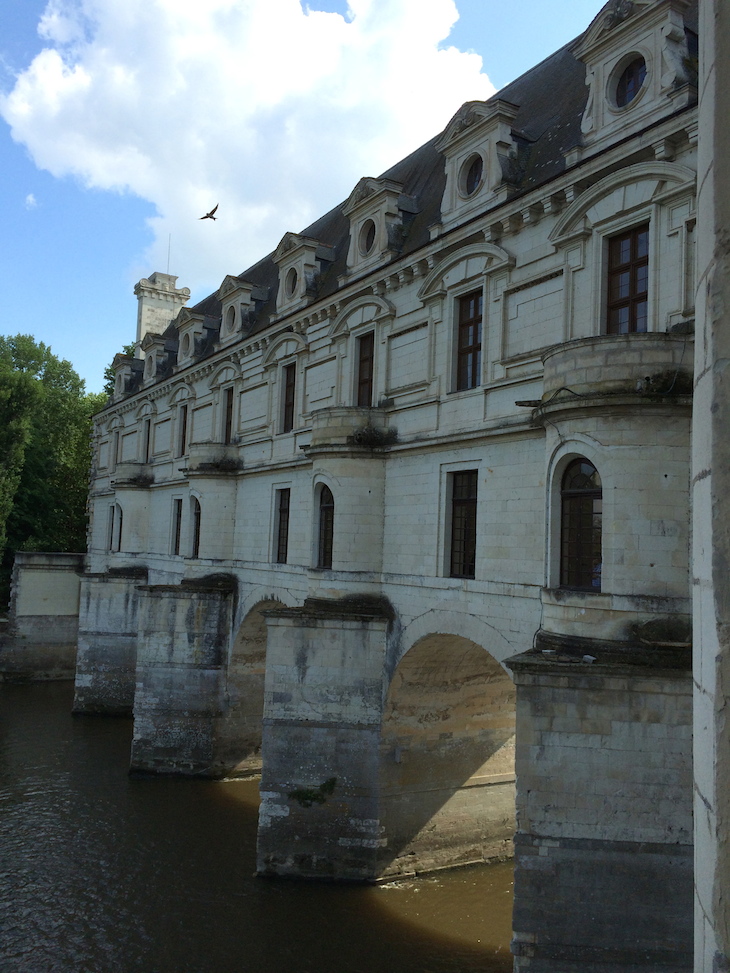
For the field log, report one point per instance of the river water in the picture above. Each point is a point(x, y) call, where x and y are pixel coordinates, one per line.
point(103, 873)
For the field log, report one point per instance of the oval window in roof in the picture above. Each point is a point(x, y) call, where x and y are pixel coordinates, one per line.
point(367, 237)
point(290, 284)
point(630, 81)
point(471, 175)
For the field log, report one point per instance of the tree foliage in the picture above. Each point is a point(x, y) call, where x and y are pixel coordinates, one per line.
point(45, 426)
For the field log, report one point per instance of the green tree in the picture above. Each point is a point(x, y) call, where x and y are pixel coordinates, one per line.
point(45, 427)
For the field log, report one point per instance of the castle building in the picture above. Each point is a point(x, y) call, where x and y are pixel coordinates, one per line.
point(421, 477)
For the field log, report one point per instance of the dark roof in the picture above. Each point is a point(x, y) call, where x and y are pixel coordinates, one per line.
point(550, 97)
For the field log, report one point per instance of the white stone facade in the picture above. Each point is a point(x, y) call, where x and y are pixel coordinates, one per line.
point(343, 363)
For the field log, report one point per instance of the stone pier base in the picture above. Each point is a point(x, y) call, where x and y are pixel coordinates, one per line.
point(107, 647)
point(603, 850)
point(39, 638)
point(184, 634)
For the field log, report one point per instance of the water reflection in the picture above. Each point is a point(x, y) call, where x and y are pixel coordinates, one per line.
point(100, 873)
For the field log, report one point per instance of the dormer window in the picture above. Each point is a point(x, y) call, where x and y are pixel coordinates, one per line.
point(185, 345)
point(630, 81)
point(149, 367)
point(479, 149)
point(239, 299)
point(301, 261)
point(638, 70)
point(379, 213)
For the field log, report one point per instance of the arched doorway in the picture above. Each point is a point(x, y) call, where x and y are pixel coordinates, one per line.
point(447, 758)
point(239, 731)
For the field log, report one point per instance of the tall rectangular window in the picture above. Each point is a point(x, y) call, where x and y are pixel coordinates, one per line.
point(147, 441)
point(115, 527)
point(283, 498)
point(365, 360)
point(326, 528)
point(195, 515)
point(228, 414)
point(182, 430)
point(289, 379)
point(176, 524)
point(469, 342)
point(463, 524)
point(628, 281)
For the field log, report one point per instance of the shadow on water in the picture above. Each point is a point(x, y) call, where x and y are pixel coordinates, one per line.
point(100, 873)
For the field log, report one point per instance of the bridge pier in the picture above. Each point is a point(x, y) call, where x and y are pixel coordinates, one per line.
point(603, 850)
point(184, 636)
point(323, 706)
point(107, 644)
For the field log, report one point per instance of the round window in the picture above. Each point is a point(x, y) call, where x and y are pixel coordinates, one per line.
point(149, 366)
point(230, 319)
point(630, 82)
point(290, 284)
point(367, 237)
point(185, 346)
point(471, 175)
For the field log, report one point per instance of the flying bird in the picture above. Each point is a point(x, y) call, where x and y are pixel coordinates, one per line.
point(209, 216)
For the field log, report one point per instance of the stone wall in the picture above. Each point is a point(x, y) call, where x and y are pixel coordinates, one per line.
point(711, 500)
point(107, 648)
point(39, 641)
point(603, 849)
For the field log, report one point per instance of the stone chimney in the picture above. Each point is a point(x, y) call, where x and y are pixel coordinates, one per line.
point(158, 302)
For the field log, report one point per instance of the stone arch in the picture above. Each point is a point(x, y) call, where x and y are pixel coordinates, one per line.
point(660, 177)
point(478, 259)
point(369, 309)
point(239, 734)
point(446, 761)
point(282, 346)
point(472, 627)
point(181, 393)
point(227, 372)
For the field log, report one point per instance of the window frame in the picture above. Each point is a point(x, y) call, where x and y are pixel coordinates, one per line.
point(463, 519)
point(573, 574)
point(227, 409)
point(115, 528)
point(467, 351)
point(182, 432)
point(325, 527)
point(176, 526)
point(288, 396)
point(282, 515)
point(196, 517)
point(364, 363)
point(638, 268)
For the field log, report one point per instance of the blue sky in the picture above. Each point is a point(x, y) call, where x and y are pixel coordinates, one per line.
point(121, 124)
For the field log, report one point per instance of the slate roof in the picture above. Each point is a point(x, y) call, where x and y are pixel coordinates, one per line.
point(551, 97)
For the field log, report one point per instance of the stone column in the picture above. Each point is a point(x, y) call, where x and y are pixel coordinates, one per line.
point(322, 715)
point(107, 647)
point(184, 633)
point(711, 500)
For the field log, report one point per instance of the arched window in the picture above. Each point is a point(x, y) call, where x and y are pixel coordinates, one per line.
point(326, 528)
point(195, 527)
point(580, 527)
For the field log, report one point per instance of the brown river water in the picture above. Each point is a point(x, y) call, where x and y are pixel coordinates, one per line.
point(103, 873)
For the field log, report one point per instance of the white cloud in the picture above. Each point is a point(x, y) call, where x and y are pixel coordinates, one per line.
point(30, 201)
point(270, 109)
